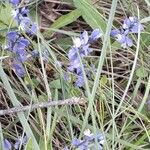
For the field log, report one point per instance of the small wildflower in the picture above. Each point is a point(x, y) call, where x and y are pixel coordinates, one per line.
point(132, 24)
point(20, 13)
point(115, 32)
point(20, 44)
point(19, 69)
point(14, 2)
point(12, 36)
point(95, 35)
point(20, 141)
point(84, 38)
point(88, 141)
point(34, 53)
point(79, 81)
point(66, 148)
point(7, 145)
point(82, 47)
point(124, 40)
point(28, 26)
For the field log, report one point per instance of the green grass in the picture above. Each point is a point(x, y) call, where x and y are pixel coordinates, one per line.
point(116, 94)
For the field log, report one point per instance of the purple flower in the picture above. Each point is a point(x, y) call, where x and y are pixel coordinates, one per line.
point(124, 40)
point(17, 45)
point(19, 69)
point(82, 47)
point(20, 44)
point(79, 81)
point(22, 55)
point(76, 142)
point(72, 54)
point(122, 37)
point(88, 141)
point(132, 24)
point(66, 148)
point(115, 32)
point(20, 13)
point(95, 35)
point(80, 144)
point(35, 53)
point(7, 145)
point(84, 38)
point(14, 2)
point(28, 26)
point(33, 29)
point(12, 36)
point(20, 141)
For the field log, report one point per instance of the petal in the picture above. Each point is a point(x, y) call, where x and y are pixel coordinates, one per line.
point(33, 29)
point(12, 36)
point(35, 53)
point(76, 142)
point(115, 32)
point(17, 144)
point(121, 38)
point(124, 45)
point(95, 35)
point(19, 69)
point(77, 42)
point(22, 57)
point(84, 37)
point(15, 2)
point(129, 41)
point(136, 28)
point(72, 54)
point(126, 23)
point(7, 145)
point(25, 23)
point(80, 81)
point(86, 50)
point(133, 19)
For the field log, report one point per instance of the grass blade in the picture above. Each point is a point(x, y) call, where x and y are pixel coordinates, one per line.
point(15, 102)
point(91, 15)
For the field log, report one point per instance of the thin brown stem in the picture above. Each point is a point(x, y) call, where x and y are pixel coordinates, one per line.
point(70, 101)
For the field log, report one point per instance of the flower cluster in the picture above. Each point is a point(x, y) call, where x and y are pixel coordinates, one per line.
point(88, 141)
point(20, 14)
point(17, 45)
point(81, 47)
point(130, 25)
point(21, 141)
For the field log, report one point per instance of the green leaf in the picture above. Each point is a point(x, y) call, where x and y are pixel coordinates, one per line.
point(91, 15)
point(104, 80)
point(63, 21)
point(42, 144)
point(2, 39)
point(6, 15)
point(29, 145)
point(145, 20)
point(15, 102)
point(6, 20)
point(55, 84)
point(145, 37)
point(65, 43)
point(141, 72)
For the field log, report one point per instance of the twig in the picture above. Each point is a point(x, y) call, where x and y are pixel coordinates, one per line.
point(70, 101)
point(56, 1)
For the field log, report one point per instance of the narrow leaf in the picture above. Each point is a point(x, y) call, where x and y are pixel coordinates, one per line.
point(63, 21)
point(91, 15)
